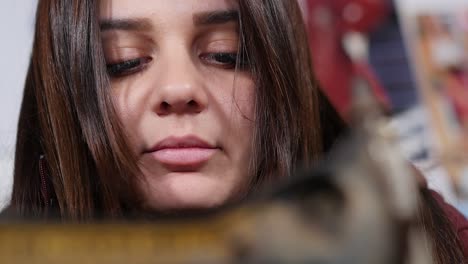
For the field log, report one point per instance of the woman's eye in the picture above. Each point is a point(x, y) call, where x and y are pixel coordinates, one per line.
point(225, 60)
point(127, 67)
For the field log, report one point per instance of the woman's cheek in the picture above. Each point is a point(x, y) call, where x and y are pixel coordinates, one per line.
point(244, 95)
point(129, 114)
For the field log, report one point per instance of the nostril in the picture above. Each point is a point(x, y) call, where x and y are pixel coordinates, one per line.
point(165, 106)
point(192, 103)
point(179, 107)
point(194, 106)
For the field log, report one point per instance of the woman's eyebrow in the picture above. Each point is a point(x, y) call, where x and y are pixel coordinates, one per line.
point(128, 24)
point(215, 17)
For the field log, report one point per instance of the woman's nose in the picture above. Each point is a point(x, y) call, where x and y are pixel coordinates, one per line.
point(181, 99)
point(181, 89)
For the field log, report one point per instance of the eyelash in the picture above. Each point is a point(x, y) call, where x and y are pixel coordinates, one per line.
point(127, 67)
point(224, 60)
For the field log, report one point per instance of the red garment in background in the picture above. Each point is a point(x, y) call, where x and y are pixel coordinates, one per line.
point(328, 21)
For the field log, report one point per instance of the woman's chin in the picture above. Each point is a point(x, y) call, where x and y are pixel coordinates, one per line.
point(184, 203)
point(184, 208)
point(186, 194)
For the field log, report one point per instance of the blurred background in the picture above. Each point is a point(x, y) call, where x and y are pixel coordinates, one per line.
point(16, 31)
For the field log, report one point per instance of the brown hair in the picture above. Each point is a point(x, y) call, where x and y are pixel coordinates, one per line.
point(445, 244)
point(288, 128)
point(67, 114)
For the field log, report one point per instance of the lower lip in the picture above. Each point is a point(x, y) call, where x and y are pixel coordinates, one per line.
point(184, 157)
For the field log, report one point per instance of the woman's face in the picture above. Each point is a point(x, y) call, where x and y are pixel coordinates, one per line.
point(186, 110)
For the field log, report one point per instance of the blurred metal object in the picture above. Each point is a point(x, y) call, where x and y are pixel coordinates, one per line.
point(368, 118)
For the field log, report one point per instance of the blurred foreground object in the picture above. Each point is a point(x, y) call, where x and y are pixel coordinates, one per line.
point(356, 208)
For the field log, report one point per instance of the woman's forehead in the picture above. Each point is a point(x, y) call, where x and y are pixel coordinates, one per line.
point(112, 9)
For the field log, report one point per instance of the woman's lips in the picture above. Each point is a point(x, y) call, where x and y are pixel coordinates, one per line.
point(184, 157)
point(182, 153)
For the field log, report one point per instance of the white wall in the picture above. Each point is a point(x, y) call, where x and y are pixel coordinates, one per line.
point(16, 30)
point(417, 6)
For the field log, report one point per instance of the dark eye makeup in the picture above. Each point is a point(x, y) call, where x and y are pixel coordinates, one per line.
point(127, 67)
point(223, 60)
point(227, 60)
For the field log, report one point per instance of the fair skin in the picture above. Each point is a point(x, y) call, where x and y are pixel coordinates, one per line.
point(187, 111)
